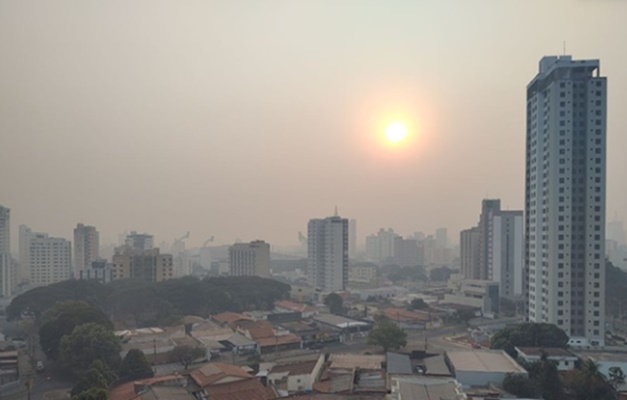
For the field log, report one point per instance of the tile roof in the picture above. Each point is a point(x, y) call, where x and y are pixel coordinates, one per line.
point(126, 391)
point(278, 340)
point(250, 389)
point(256, 329)
point(209, 374)
point(352, 361)
point(301, 368)
point(398, 314)
point(229, 318)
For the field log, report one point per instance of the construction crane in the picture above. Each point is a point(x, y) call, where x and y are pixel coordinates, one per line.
point(210, 240)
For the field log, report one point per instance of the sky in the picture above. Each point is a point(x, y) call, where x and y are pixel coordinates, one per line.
point(244, 119)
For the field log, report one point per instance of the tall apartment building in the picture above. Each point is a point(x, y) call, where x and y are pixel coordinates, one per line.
point(86, 247)
point(6, 268)
point(565, 189)
point(352, 238)
point(146, 265)
point(23, 250)
point(327, 253)
point(469, 253)
point(250, 259)
point(489, 207)
point(507, 252)
point(380, 247)
point(139, 241)
point(49, 259)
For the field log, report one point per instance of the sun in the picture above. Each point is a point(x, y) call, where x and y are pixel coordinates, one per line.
point(396, 132)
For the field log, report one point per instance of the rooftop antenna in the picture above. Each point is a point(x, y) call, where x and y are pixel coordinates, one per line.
point(564, 45)
point(336, 214)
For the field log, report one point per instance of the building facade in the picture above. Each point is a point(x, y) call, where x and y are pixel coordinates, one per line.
point(380, 247)
point(565, 188)
point(250, 259)
point(469, 253)
point(139, 241)
point(508, 246)
point(49, 259)
point(86, 247)
point(146, 265)
point(327, 253)
point(489, 207)
point(6, 267)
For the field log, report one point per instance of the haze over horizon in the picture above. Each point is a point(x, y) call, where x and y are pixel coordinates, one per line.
point(246, 119)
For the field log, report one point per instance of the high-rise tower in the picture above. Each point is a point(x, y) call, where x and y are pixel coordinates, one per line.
point(565, 198)
point(86, 247)
point(6, 270)
point(327, 253)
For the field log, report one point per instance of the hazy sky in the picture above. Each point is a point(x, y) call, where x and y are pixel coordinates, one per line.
point(243, 119)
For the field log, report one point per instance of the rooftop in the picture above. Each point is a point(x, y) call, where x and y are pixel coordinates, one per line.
point(549, 351)
point(436, 366)
point(338, 321)
point(354, 361)
point(420, 388)
point(484, 361)
point(301, 368)
point(398, 364)
point(278, 340)
point(250, 389)
point(211, 374)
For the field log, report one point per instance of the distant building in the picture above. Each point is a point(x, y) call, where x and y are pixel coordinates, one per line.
point(6, 266)
point(507, 252)
point(489, 208)
point(407, 253)
point(146, 265)
point(24, 249)
point(469, 249)
point(380, 247)
point(565, 197)
point(49, 259)
point(139, 241)
point(352, 238)
point(99, 270)
point(86, 246)
point(441, 238)
point(362, 273)
point(250, 259)
point(474, 293)
point(327, 253)
point(563, 358)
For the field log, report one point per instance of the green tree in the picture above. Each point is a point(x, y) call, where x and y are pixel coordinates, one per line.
point(520, 385)
point(418, 304)
point(62, 318)
point(92, 379)
point(588, 383)
point(92, 394)
point(187, 354)
point(87, 343)
point(441, 274)
point(135, 365)
point(528, 335)
point(549, 381)
point(464, 315)
point(616, 377)
point(387, 335)
point(335, 303)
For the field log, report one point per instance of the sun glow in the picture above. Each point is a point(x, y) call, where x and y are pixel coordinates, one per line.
point(396, 132)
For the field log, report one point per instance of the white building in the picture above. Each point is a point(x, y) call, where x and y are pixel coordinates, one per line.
point(86, 247)
point(508, 252)
point(327, 253)
point(6, 269)
point(23, 249)
point(565, 198)
point(50, 259)
point(482, 368)
point(380, 247)
point(250, 259)
point(564, 359)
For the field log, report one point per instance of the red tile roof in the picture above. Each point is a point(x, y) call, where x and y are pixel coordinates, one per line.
point(209, 374)
point(291, 305)
point(229, 318)
point(256, 329)
point(278, 340)
point(126, 391)
point(250, 389)
point(301, 368)
point(398, 314)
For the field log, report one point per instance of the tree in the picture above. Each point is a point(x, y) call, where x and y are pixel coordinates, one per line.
point(135, 365)
point(528, 335)
point(617, 377)
point(588, 383)
point(418, 304)
point(92, 394)
point(187, 354)
point(335, 303)
point(387, 335)
point(92, 379)
point(62, 318)
point(549, 381)
point(520, 385)
point(441, 274)
point(464, 315)
point(89, 342)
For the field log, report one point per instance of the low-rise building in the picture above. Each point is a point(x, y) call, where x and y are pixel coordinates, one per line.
point(482, 368)
point(606, 359)
point(296, 377)
point(564, 358)
point(362, 273)
point(226, 381)
point(411, 320)
point(291, 306)
point(425, 388)
point(475, 293)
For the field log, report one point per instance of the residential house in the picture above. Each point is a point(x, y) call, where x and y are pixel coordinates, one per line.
point(296, 377)
point(564, 358)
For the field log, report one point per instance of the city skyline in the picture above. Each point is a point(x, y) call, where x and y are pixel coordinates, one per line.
point(140, 129)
